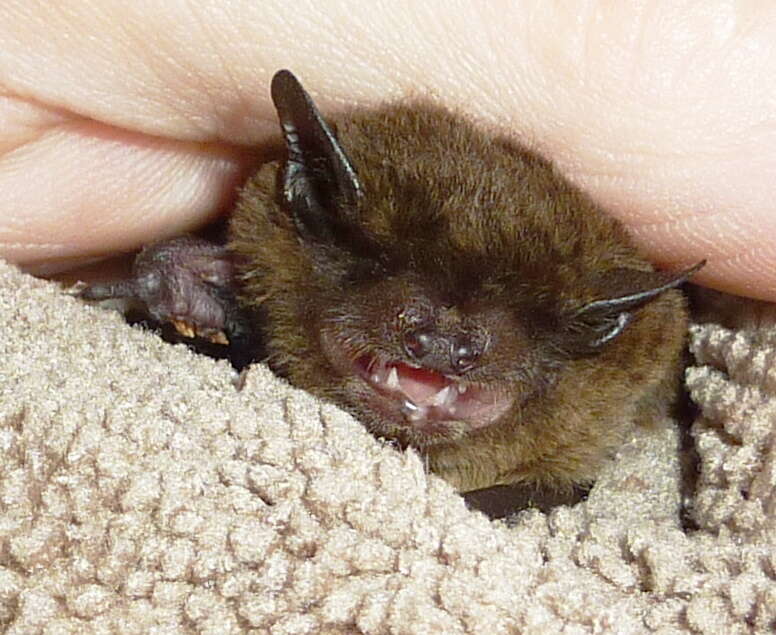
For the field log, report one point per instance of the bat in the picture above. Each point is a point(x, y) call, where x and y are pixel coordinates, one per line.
point(442, 283)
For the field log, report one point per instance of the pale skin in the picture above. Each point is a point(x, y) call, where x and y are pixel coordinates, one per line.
point(122, 123)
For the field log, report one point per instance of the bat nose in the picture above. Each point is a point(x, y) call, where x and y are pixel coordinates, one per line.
point(446, 353)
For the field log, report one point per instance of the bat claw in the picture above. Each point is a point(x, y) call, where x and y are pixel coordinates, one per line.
point(184, 328)
point(191, 330)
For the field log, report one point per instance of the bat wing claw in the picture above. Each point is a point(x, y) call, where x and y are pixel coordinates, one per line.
point(186, 282)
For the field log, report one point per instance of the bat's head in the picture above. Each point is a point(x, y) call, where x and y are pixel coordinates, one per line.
point(427, 276)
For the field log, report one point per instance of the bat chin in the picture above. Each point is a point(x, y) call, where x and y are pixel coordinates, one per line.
point(429, 406)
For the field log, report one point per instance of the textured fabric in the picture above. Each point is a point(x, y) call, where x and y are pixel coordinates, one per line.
point(144, 488)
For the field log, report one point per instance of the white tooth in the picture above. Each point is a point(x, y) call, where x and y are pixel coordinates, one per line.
point(441, 397)
point(393, 379)
point(412, 411)
point(461, 388)
point(375, 378)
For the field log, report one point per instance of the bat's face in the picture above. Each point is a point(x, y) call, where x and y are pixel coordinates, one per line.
point(424, 367)
point(431, 278)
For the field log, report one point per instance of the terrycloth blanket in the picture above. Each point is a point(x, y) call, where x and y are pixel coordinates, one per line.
point(144, 488)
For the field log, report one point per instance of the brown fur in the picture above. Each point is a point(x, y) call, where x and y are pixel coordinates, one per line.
point(456, 217)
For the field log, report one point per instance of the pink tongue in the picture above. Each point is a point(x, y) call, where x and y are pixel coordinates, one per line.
point(419, 384)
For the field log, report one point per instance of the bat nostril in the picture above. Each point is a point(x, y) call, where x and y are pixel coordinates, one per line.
point(418, 344)
point(445, 353)
point(464, 353)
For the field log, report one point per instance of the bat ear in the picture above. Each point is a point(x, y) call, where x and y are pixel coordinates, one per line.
point(317, 177)
point(595, 324)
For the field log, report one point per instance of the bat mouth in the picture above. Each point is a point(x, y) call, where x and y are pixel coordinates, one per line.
point(426, 397)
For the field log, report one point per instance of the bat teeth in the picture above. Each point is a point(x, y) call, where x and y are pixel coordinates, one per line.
point(440, 399)
point(462, 388)
point(412, 411)
point(393, 379)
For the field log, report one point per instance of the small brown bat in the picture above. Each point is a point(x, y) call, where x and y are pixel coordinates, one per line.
point(443, 284)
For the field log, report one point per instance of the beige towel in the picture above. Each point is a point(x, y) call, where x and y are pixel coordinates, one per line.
point(144, 489)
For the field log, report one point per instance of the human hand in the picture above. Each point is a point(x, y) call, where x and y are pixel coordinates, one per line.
point(126, 123)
